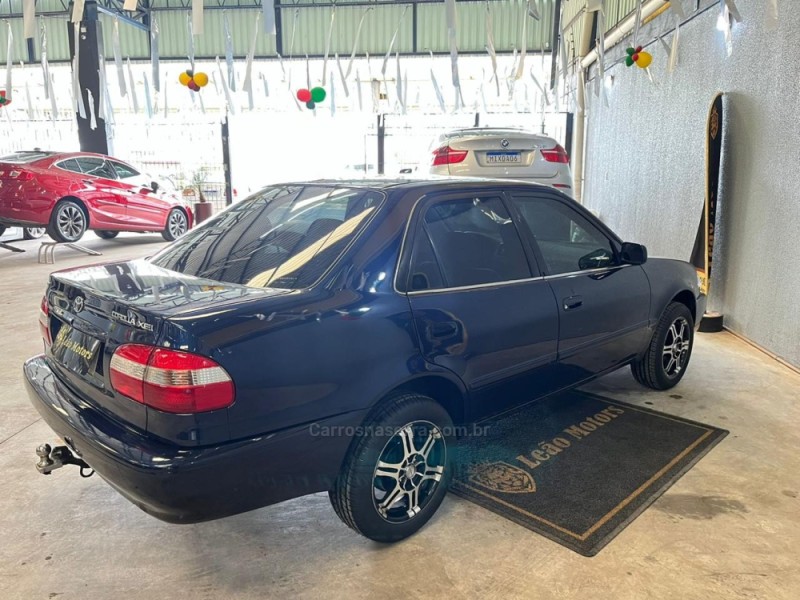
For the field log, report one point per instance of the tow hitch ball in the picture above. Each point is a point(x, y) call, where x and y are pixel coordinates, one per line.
point(51, 459)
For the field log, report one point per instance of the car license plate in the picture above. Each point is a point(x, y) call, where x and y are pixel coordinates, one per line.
point(505, 158)
point(75, 350)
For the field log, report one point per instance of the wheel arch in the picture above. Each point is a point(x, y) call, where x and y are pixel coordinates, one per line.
point(186, 213)
point(80, 203)
point(439, 387)
point(686, 297)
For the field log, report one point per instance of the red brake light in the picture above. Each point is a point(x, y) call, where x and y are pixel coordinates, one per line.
point(556, 155)
point(447, 156)
point(44, 322)
point(20, 175)
point(170, 380)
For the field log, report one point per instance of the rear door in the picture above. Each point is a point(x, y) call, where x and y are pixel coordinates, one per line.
point(603, 305)
point(479, 306)
point(145, 207)
point(493, 153)
point(101, 189)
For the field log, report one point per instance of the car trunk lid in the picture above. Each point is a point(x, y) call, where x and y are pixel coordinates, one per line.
point(497, 153)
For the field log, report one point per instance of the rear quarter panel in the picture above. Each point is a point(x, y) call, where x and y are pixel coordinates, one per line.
point(668, 278)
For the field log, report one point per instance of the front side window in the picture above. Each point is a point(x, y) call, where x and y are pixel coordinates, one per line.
point(282, 237)
point(469, 241)
point(124, 171)
point(567, 240)
point(96, 167)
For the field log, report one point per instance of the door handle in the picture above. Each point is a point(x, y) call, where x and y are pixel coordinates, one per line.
point(573, 302)
point(443, 330)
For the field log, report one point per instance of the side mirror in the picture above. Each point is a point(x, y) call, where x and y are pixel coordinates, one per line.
point(633, 254)
point(154, 186)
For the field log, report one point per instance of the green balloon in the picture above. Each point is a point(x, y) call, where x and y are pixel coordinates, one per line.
point(318, 94)
point(631, 51)
point(629, 61)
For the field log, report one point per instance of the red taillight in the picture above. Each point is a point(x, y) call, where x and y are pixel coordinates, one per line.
point(447, 156)
point(170, 380)
point(20, 175)
point(556, 155)
point(44, 322)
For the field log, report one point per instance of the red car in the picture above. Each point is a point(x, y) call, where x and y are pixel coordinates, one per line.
point(69, 193)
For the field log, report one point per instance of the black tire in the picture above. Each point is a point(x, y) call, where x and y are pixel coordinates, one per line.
point(106, 235)
point(177, 225)
point(33, 233)
point(667, 357)
point(355, 494)
point(68, 222)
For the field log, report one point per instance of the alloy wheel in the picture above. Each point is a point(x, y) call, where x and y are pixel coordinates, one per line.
point(177, 224)
point(676, 347)
point(71, 222)
point(408, 471)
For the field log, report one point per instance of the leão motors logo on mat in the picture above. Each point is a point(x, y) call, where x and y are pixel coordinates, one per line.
point(502, 477)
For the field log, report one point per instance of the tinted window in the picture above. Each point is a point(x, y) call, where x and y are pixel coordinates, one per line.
point(425, 273)
point(283, 237)
point(96, 167)
point(473, 241)
point(568, 241)
point(70, 165)
point(123, 171)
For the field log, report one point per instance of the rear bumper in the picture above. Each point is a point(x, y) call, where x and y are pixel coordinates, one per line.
point(188, 485)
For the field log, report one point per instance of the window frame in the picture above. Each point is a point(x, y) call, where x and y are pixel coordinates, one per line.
point(114, 164)
point(614, 240)
point(415, 223)
point(103, 160)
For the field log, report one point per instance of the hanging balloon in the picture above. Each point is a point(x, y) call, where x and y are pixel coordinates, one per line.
point(3, 100)
point(318, 94)
point(184, 78)
point(201, 79)
point(311, 105)
point(643, 60)
point(304, 95)
point(193, 86)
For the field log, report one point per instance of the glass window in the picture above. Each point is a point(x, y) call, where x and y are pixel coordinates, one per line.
point(70, 165)
point(473, 241)
point(96, 167)
point(282, 237)
point(568, 241)
point(123, 171)
point(425, 273)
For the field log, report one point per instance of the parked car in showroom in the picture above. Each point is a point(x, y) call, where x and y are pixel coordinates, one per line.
point(71, 193)
point(21, 233)
point(325, 336)
point(502, 153)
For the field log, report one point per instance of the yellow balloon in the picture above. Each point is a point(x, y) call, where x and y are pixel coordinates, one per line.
point(184, 78)
point(201, 79)
point(645, 58)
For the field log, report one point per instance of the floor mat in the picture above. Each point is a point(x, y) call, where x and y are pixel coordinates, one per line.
point(577, 467)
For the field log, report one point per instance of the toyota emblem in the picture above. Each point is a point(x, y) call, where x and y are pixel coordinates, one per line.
point(504, 143)
point(77, 305)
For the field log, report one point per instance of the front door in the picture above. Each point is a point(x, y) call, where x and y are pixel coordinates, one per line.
point(603, 304)
point(145, 208)
point(480, 307)
point(102, 189)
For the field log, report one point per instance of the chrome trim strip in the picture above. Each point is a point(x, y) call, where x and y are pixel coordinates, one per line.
point(477, 286)
point(586, 272)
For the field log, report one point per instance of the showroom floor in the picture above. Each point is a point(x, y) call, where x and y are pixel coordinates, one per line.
point(730, 528)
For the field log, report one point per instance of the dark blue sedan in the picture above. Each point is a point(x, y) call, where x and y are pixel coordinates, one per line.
point(326, 336)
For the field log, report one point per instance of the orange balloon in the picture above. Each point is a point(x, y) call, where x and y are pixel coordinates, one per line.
point(184, 78)
point(645, 58)
point(201, 79)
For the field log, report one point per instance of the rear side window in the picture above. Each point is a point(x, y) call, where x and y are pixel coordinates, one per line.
point(70, 165)
point(469, 241)
point(96, 167)
point(283, 237)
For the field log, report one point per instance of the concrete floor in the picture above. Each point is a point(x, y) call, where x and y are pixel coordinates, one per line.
point(730, 528)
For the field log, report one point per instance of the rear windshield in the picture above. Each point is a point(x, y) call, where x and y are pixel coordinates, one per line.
point(21, 158)
point(282, 237)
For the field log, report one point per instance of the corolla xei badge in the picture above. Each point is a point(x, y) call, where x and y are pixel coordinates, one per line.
point(504, 143)
point(77, 305)
point(132, 319)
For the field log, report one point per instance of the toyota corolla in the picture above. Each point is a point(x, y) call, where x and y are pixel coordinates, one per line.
point(326, 336)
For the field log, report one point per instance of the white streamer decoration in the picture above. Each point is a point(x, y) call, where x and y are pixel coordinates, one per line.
point(132, 87)
point(226, 28)
point(123, 90)
point(328, 46)
point(129, 5)
point(103, 87)
point(524, 45)
point(247, 85)
point(450, 17)
point(148, 102)
point(226, 91)
point(772, 14)
point(677, 8)
point(266, 85)
point(490, 45)
point(9, 61)
point(436, 89)
point(399, 85)
point(77, 11)
point(53, 106)
point(190, 42)
point(197, 16)
point(268, 8)
point(672, 63)
point(333, 97)
point(29, 18)
point(92, 116)
point(638, 23)
point(355, 42)
point(358, 88)
point(76, 61)
point(154, 35)
point(30, 103)
point(731, 4)
point(342, 78)
point(545, 99)
point(295, 18)
point(393, 40)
